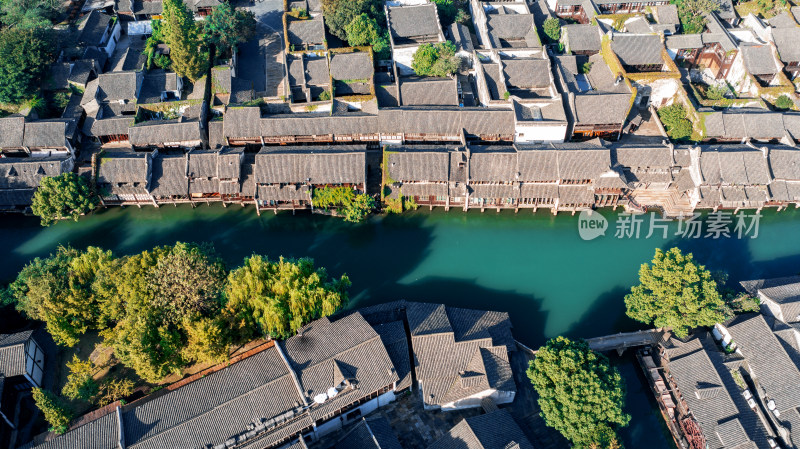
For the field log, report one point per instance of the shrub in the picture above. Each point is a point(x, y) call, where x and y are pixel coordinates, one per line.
point(716, 92)
point(80, 384)
point(435, 59)
point(55, 412)
point(325, 95)
point(784, 102)
point(552, 29)
point(674, 119)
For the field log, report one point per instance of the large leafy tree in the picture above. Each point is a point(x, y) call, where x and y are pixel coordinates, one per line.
point(580, 394)
point(277, 298)
point(25, 57)
point(339, 14)
point(364, 30)
point(182, 34)
point(552, 28)
point(55, 411)
point(226, 28)
point(675, 291)
point(57, 290)
point(29, 13)
point(65, 195)
point(435, 59)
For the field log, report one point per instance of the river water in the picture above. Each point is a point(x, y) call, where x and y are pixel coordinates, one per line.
point(535, 266)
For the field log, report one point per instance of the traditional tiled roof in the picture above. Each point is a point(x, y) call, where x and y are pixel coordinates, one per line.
point(315, 165)
point(758, 59)
point(707, 386)
point(120, 171)
point(684, 41)
point(419, 164)
point(582, 37)
point(346, 354)
point(169, 176)
point(93, 28)
point(667, 14)
point(374, 433)
point(768, 360)
point(526, 73)
point(46, 133)
point(351, 66)
point(413, 21)
point(784, 291)
point(783, 20)
point(638, 49)
point(393, 336)
point(158, 132)
point(19, 177)
point(786, 40)
point(740, 165)
point(638, 25)
point(112, 86)
point(598, 109)
point(242, 122)
point(512, 27)
point(306, 32)
point(496, 430)
point(416, 91)
point(156, 82)
point(12, 353)
point(460, 36)
point(12, 130)
point(740, 123)
point(101, 433)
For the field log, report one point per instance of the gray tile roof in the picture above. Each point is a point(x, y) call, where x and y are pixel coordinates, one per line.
point(123, 170)
point(600, 109)
point(496, 430)
point(19, 177)
point(712, 396)
point(12, 130)
point(12, 353)
point(242, 122)
point(393, 336)
point(419, 164)
point(786, 40)
point(351, 66)
point(413, 21)
point(784, 291)
point(101, 433)
point(156, 82)
point(667, 14)
point(493, 164)
point(582, 37)
point(526, 73)
point(739, 123)
point(767, 359)
point(512, 27)
point(416, 91)
point(785, 163)
point(46, 133)
point(374, 433)
point(346, 354)
point(169, 176)
point(542, 164)
point(306, 32)
point(638, 25)
point(684, 41)
point(112, 87)
point(637, 49)
point(93, 28)
point(321, 164)
point(460, 36)
point(783, 20)
point(217, 407)
point(758, 59)
point(740, 165)
point(159, 132)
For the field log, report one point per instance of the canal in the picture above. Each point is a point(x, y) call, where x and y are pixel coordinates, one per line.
point(535, 266)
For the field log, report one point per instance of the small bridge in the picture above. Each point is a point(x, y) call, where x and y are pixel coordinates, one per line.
point(622, 341)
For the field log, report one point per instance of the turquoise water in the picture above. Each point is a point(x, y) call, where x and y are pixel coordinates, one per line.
point(534, 266)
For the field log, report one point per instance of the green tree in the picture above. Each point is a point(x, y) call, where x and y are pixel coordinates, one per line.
point(277, 298)
point(29, 13)
point(676, 292)
point(112, 389)
point(25, 58)
point(80, 383)
point(55, 412)
point(226, 28)
point(784, 102)
point(674, 119)
point(187, 280)
point(65, 195)
point(340, 13)
point(692, 14)
point(435, 59)
point(580, 394)
point(359, 208)
point(57, 290)
point(552, 28)
point(363, 30)
point(447, 11)
point(181, 33)
point(206, 340)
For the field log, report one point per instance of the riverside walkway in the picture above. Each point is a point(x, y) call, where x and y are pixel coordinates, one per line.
point(618, 342)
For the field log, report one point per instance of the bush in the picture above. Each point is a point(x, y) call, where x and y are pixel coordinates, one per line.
point(716, 92)
point(359, 208)
point(674, 119)
point(586, 67)
point(162, 61)
point(80, 383)
point(447, 11)
point(55, 412)
point(435, 59)
point(784, 102)
point(113, 390)
point(552, 29)
point(353, 207)
point(325, 95)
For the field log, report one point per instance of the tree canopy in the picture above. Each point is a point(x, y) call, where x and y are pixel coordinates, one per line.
point(351, 206)
point(55, 412)
point(435, 59)
point(25, 58)
point(674, 119)
point(692, 14)
point(182, 34)
point(676, 292)
point(65, 195)
point(277, 298)
point(580, 394)
point(338, 14)
point(226, 28)
point(29, 13)
point(552, 29)
point(364, 30)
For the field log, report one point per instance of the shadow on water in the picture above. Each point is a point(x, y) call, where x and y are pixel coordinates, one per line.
point(606, 315)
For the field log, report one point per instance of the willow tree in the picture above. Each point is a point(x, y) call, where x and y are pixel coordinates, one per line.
point(182, 35)
point(676, 292)
point(277, 298)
